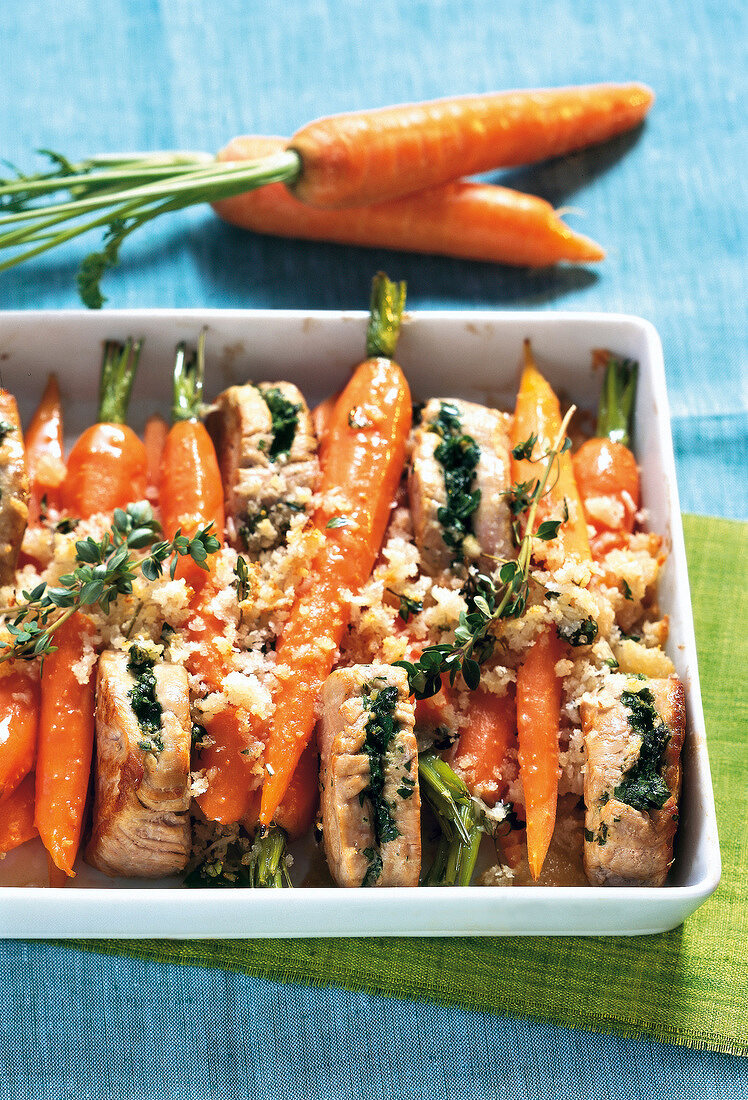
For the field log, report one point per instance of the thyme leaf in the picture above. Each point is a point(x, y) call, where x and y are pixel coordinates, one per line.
point(104, 570)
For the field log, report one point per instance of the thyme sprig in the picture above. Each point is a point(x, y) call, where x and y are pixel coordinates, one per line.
point(105, 569)
point(490, 598)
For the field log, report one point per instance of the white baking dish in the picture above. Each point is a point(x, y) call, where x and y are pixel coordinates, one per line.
point(474, 355)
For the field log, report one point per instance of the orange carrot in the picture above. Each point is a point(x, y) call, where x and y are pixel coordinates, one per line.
point(370, 156)
point(17, 816)
point(604, 467)
point(190, 493)
point(347, 160)
point(45, 452)
point(537, 413)
point(481, 751)
point(66, 738)
point(538, 709)
point(108, 466)
point(107, 469)
point(297, 811)
point(472, 221)
point(154, 439)
point(361, 467)
point(321, 416)
point(234, 735)
point(190, 486)
point(607, 471)
point(191, 496)
point(19, 707)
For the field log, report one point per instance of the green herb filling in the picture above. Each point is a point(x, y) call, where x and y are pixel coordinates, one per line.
point(642, 786)
point(143, 701)
point(380, 730)
point(458, 454)
point(285, 421)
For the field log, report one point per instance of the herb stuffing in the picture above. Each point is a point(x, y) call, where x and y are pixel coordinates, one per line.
point(458, 454)
point(285, 420)
point(642, 786)
point(145, 705)
point(380, 730)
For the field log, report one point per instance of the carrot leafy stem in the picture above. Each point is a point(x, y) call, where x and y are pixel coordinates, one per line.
point(118, 194)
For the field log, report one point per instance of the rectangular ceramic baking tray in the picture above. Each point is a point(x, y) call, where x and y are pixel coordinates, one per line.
point(475, 355)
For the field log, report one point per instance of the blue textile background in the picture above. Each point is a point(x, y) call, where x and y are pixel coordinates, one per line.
point(668, 203)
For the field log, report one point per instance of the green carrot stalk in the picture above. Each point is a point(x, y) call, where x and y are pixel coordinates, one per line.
point(459, 820)
point(189, 375)
point(269, 869)
point(118, 370)
point(616, 409)
point(385, 317)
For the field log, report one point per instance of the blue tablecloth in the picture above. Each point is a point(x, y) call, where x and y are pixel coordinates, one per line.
point(99, 75)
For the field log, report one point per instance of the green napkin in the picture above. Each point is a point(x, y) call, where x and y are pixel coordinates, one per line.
point(686, 986)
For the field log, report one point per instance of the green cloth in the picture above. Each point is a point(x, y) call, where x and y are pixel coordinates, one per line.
point(687, 986)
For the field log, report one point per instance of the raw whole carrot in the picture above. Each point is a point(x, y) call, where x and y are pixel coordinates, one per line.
point(483, 745)
point(538, 710)
point(45, 452)
point(17, 816)
point(537, 412)
point(472, 221)
point(66, 738)
point(369, 156)
point(154, 439)
point(108, 466)
point(19, 707)
point(360, 471)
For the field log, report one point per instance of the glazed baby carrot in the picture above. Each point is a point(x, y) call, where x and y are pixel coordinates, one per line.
point(19, 708)
point(234, 734)
point(154, 440)
point(361, 462)
point(538, 709)
point(297, 811)
point(322, 414)
point(108, 466)
point(190, 488)
point(45, 452)
point(17, 816)
point(537, 417)
point(66, 738)
point(481, 751)
point(191, 496)
point(472, 221)
point(605, 469)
